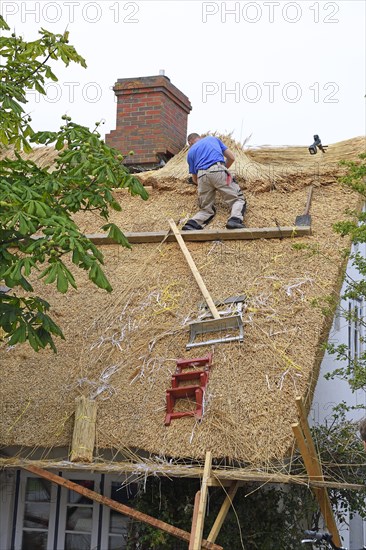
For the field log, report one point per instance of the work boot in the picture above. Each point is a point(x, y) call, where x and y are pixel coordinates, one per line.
point(191, 225)
point(234, 223)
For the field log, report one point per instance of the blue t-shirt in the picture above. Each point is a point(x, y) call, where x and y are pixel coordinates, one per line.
point(204, 153)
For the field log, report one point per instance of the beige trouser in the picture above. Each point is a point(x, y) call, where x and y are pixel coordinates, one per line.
point(215, 178)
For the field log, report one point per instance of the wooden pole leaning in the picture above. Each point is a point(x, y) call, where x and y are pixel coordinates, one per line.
point(313, 467)
point(197, 500)
point(122, 508)
point(225, 507)
point(196, 274)
point(195, 542)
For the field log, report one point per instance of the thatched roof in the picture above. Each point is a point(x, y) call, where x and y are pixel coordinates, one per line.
point(268, 168)
point(42, 156)
point(121, 347)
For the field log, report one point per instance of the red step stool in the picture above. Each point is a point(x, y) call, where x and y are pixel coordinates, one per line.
point(178, 393)
point(201, 376)
point(197, 362)
point(195, 391)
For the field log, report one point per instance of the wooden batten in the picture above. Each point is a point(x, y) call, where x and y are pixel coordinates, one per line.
point(249, 233)
point(83, 438)
point(199, 512)
point(226, 505)
point(312, 463)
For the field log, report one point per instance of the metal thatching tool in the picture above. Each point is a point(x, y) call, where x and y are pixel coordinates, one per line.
point(305, 218)
point(217, 324)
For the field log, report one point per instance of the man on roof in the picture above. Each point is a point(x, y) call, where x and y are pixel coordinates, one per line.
point(209, 160)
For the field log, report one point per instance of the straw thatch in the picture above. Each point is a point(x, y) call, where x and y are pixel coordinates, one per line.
point(42, 156)
point(121, 347)
point(266, 169)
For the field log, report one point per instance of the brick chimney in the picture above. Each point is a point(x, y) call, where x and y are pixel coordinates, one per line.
point(151, 119)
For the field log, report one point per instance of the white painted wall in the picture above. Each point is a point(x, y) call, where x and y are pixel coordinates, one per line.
point(331, 392)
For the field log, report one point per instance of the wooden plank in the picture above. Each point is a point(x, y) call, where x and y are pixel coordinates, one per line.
point(209, 235)
point(197, 499)
point(320, 493)
point(225, 507)
point(309, 463)
point(197, 539)
point(122, 508)
point(307, 448)
point(196, 274)
point(307, 433)
point(323, 493)
point(83, 437)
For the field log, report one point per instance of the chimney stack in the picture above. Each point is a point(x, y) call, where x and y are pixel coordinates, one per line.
point(152, 119)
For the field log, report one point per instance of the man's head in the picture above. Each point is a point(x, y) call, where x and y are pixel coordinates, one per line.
point(192, 138)
point(363, 431)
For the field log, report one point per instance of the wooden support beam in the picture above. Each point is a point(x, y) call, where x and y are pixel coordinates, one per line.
point(313, 467)
point(122, 508)
point(225, 507)
point(196, 535)
point(306, 430)
point(210, 235)
point(311, 470)
point(197, 499)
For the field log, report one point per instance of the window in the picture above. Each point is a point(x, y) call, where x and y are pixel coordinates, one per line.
point(36, 510)
point(50, 517)
point(79, 516)
point(115, 525)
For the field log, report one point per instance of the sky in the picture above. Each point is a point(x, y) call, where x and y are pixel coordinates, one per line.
point(269, 72)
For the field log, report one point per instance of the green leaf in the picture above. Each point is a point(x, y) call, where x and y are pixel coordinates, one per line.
point(52, 327)
point(26, 147)
point(59, 143)
point(116, 234)
point(51, 75)
point(34, 340)
point(3, 137)
point(62, 282)
point(51, 273)
point(115, 205)
point(25, 225)
point(19, 335)
point(97, 276)
point(70, 277)
point(9, 103)
point(3, 24)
